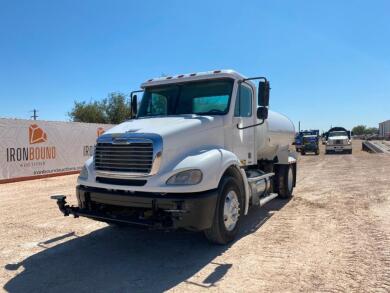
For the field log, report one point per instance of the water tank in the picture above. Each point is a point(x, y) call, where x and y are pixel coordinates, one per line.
point(276, 134)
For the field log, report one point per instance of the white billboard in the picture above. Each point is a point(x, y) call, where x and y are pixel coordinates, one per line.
point(32, 149)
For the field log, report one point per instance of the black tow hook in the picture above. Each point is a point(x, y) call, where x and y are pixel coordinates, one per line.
point(61, 202)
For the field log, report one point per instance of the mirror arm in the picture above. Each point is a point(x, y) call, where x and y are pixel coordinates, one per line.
point(254, 125)
point(134, 92)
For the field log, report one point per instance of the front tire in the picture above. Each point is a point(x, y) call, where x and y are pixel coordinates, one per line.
point(228, 212)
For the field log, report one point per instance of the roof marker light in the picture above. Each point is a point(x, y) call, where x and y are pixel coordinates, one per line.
point(217, 71)
point(169, 77)
point(192, 74)
point(180, 76)
point(150, 80)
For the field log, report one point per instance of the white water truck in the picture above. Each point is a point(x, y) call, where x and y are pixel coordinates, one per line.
point(202, 148)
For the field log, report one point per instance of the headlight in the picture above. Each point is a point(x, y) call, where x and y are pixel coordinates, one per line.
point(83, 173)
point(189, 177)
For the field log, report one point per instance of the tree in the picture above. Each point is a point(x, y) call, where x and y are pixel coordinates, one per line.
point(364, 130)
point(93, 112)
point(112, 110)
point(359, 130)
point(372, 130)
point(116, 109)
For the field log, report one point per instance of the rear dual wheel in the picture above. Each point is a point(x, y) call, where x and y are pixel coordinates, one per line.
point(284, 181)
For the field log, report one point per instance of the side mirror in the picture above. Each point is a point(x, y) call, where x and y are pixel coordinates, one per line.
point(262, 113)
point(134, 106)
point(263, 94)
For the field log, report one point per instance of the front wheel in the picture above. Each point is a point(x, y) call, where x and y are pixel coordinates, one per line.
point(228, 212)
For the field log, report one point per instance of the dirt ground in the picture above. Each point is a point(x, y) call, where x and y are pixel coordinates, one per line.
point(333, 236)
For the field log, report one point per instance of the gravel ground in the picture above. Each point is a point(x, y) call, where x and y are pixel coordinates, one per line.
point(333, 236)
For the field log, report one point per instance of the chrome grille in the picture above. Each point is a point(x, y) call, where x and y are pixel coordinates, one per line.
point(134, 157)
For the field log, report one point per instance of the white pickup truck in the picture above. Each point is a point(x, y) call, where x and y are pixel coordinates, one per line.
point(201, 150)
point(338, 139)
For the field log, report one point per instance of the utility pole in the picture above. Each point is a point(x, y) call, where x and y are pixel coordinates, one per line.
point(299, 126)
point(34, 116)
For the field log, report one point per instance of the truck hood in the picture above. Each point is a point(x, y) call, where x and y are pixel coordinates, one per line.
point(167, 126)
point(180, 134)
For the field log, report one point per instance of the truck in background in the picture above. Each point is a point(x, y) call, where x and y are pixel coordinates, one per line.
point(203, 148)
point(299, 138)
point(298, 142)
point(310, 144)
point(338, 140)
point(323, 138)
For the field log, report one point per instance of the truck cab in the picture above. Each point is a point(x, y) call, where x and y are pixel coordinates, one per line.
point(200, 150)
point(310, 144)
point(338, 140)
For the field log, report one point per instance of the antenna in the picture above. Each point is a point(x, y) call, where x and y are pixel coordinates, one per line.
point(34, 116)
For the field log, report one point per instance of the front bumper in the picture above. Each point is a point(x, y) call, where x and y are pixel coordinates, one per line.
point(194, 211)
point(338, 148)
point(310, 147)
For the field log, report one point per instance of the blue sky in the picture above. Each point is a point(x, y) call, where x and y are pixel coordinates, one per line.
point(328, 61)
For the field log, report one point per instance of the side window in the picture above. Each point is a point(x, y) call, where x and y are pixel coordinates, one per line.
point(243, 107)
point(157, 105)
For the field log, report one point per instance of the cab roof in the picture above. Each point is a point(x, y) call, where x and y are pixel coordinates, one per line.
point(228, 73)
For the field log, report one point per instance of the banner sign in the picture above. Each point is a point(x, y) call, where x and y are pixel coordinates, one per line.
point(32, 149)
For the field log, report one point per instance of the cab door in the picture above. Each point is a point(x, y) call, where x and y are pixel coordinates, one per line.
point(243, 136)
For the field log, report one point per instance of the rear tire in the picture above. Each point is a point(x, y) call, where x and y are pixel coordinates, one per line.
point(285, 181)
point(227, 216)
point(303, 153)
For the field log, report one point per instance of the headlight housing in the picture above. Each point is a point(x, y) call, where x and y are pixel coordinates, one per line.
point(83, 173)
point(188, 177)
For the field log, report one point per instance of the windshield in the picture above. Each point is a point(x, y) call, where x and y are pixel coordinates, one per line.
point(204, 98)
point(338, 133)
point(309, 138)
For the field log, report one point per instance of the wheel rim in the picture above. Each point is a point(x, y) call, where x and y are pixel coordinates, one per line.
point(290, 179)
point(231, 210)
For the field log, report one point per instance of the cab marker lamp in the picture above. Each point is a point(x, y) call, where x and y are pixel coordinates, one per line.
point(83, 173)
point(188, 177)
